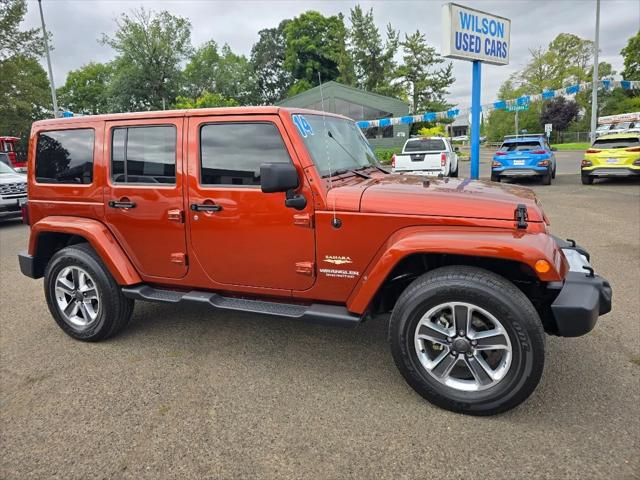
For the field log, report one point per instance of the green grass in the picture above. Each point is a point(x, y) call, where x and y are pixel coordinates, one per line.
point(572, 146)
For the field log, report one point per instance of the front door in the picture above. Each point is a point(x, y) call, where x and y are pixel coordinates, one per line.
point(239, 235)
point(143, 199)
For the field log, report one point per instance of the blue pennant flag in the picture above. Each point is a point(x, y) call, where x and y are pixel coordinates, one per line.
point(547, 94)
point(429, 117)
point(606, 84)
point(408, 119)
point(363, 124)
point(626, 84)
point(572, 89)
point(453, 113)
point(385, 122)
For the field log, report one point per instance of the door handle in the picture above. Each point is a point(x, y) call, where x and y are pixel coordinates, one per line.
point(121, 204)
point(205, 207)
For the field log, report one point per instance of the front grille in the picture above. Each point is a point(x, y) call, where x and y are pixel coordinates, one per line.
point(13, 188)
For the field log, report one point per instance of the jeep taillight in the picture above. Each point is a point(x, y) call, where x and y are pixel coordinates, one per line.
point(24, 208)
point(393, 160)
point(443, 159)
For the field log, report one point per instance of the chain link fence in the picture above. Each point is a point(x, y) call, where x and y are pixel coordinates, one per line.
point(569, 137)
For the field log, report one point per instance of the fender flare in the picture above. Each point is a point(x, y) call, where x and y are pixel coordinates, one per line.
point(518, 246)
point(98, 236)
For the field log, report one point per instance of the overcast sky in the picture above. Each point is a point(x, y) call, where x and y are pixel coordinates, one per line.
point(76, 26)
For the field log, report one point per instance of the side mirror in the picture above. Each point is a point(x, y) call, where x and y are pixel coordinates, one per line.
point(282, 177)
point(278, 177)
point(456, 149)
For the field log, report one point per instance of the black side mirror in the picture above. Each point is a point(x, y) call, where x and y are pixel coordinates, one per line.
point(282, 177)
point(278, 177)
point(456, 149)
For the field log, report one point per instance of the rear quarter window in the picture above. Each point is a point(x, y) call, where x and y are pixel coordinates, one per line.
point(425, 145)
point(65, 156)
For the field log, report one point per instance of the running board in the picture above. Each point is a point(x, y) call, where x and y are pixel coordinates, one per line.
point(322, 314)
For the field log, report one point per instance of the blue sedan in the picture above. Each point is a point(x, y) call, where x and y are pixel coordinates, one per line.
point(524, 156)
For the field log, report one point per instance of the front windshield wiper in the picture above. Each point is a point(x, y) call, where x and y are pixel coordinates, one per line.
point(363, 175)
point(347, 170)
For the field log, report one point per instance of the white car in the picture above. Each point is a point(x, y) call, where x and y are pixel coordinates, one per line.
point(431, 156)
point(13, 192)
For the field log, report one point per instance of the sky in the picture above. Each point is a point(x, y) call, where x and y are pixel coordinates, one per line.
point(77, 26)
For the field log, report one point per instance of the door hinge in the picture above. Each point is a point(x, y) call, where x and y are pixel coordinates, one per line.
point(179, 258)
point(176, 215)
point(303, 220)
point(305, 268)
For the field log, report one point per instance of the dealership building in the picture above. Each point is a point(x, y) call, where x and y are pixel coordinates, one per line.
point(358, 105)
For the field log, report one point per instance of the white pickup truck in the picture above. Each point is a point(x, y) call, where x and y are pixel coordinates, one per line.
point(432, 156)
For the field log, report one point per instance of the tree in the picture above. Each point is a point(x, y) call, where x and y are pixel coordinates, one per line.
point(85, 90)
point(15, 42)
point(200, 72)
point(631, 58)
point(560, 112)
point(150, 48)
point(425, 84)
point(234, 77)
point(206, 100)
point(267, 59)
point(315, 44)
point(373, 61)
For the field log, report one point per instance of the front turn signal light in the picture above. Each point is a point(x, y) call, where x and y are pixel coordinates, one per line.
point(542, 266)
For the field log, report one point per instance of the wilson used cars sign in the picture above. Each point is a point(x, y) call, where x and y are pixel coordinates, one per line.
point(469, 34)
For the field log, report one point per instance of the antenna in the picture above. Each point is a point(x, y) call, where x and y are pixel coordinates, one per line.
point(335, 222)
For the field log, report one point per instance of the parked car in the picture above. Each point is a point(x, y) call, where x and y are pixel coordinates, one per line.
point(613, 155)
point(13, 192)
point(287, 212)
point(524, 156)
point(8, 146)
point(432, 156)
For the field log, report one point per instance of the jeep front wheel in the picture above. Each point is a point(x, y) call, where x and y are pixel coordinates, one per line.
point(83, 297)
point(467, 340)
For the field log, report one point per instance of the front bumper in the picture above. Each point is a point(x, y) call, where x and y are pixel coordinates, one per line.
point(583, 296)
point(30, 266)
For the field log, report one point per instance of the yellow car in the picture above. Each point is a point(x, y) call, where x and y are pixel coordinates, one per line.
point(613, 155)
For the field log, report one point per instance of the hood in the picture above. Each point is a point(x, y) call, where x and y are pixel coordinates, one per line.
point(448, 197)
point(12, 178)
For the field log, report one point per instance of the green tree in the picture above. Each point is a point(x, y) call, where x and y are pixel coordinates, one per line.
point(150, 48)
point(631, 58)
point(426, 84)
point(315, 44)
point(206, 100)
point(200, 72)
point(373, 61)
point(234, 77)
point(272, 80)
point(14, 42)
point(85, 90)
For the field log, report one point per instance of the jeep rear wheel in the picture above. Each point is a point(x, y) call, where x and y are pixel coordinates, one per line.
point(467, 340)
point(83, 297)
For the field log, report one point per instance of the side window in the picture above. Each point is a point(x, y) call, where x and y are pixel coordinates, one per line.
point(144, 154)
point(65, 156)
point(231, 153)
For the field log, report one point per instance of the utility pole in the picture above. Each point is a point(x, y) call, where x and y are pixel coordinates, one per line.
point(594, 92)
point(54, 99)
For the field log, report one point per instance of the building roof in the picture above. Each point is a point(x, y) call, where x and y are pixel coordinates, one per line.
point(461, 121)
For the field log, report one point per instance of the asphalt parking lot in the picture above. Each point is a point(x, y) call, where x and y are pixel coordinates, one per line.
point(186, 392)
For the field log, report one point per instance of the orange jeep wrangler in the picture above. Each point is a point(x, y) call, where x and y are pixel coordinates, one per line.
point(287, 212)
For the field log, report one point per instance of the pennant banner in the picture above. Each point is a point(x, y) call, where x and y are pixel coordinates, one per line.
point(606, 84)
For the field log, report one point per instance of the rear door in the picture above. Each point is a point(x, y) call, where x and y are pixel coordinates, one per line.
point(143, 198)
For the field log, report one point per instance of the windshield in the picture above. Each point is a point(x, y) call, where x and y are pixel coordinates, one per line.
point(616, 142)
point(425, 145)
point(520, 146)
point(336, 145)
point(622, 126)
point(4, 168)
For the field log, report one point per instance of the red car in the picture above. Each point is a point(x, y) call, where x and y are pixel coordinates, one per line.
point(287, 212)
point(7, 145)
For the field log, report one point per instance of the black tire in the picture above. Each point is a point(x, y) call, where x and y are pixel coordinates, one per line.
point(492, 293)
point(586, 179)
point(546, 178)
point(114, 311)
point(455, 174)
point(553, 174)
point(495, 178)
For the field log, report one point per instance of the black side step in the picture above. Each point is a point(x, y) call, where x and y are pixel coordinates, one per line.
point(331, 315)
